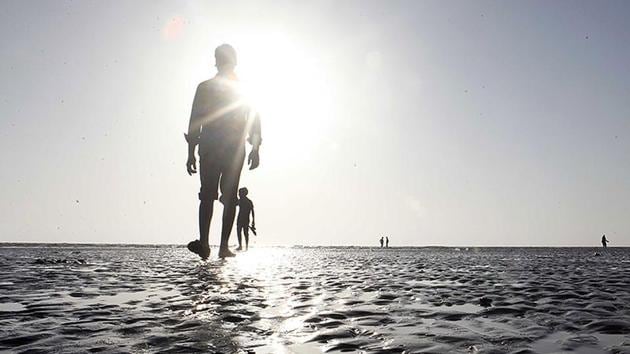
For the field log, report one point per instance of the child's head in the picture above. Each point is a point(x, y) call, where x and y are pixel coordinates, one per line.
point(243, 192)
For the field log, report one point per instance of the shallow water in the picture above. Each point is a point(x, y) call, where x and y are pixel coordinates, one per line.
point(283, 300)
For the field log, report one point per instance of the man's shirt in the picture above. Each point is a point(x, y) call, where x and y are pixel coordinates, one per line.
point(220, 118)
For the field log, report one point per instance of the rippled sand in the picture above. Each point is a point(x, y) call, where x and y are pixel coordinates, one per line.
point(123, 299)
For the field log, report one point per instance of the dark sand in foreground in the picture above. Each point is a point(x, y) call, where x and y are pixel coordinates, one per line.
point(277, 300)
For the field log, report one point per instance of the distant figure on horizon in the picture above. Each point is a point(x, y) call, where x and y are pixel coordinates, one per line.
point(381, 242)
point(386, 242)
point(219, 124)
point(604, 241)
point(245, 207)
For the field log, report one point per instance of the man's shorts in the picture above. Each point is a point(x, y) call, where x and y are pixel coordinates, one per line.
point(220, 167)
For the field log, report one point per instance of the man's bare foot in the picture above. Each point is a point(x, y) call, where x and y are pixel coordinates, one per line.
point(196, 248)
point(224, 253)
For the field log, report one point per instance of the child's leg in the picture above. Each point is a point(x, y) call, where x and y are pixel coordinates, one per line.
point(238, 233)
point(246, 231)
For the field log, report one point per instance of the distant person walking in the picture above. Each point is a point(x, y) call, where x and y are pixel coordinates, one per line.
point(245, 207)
point(386, 242)
point(219, 124)
point(604, 241)
point(381, 242)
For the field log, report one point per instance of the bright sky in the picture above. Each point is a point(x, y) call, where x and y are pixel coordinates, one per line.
point(432, 122)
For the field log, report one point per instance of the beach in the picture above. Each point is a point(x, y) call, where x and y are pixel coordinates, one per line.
point(313, 300)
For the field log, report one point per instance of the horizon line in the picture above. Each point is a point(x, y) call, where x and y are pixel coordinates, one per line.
point(177, 245)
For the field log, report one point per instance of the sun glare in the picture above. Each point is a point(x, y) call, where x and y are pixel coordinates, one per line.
point(285, 83)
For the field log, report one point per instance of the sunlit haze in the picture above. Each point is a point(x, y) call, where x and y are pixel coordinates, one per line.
point(484, 123)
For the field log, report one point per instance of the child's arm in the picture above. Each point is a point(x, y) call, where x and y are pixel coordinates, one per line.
point(253, 216)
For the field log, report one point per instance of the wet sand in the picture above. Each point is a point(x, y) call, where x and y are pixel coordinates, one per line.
point(275, 300)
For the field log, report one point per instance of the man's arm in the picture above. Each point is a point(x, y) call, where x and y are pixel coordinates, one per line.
point(194, 130)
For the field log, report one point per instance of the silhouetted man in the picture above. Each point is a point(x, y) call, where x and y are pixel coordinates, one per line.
point(245, 207)
point(386, 242)
point(219, 124)
point(604, 241)
point(381, 242)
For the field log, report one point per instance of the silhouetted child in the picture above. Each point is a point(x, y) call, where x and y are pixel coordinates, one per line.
point(386, 242)
point(381, 242)
point(245, 206)
point(604, 241)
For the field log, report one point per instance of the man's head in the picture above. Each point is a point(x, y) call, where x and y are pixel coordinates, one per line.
point(225, 57)
point(243, 192)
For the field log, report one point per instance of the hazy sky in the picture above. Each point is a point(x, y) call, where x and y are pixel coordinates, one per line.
point(432, 122)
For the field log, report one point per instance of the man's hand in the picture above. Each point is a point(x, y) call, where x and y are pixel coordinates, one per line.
point(253, 159)
point(191, 165)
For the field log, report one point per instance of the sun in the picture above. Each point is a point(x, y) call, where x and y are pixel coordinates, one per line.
point(285, 83)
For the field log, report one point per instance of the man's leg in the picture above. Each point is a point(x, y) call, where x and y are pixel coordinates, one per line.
point(209, 175)
point(229, 212)
point(205, 216)
point(231, 174)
